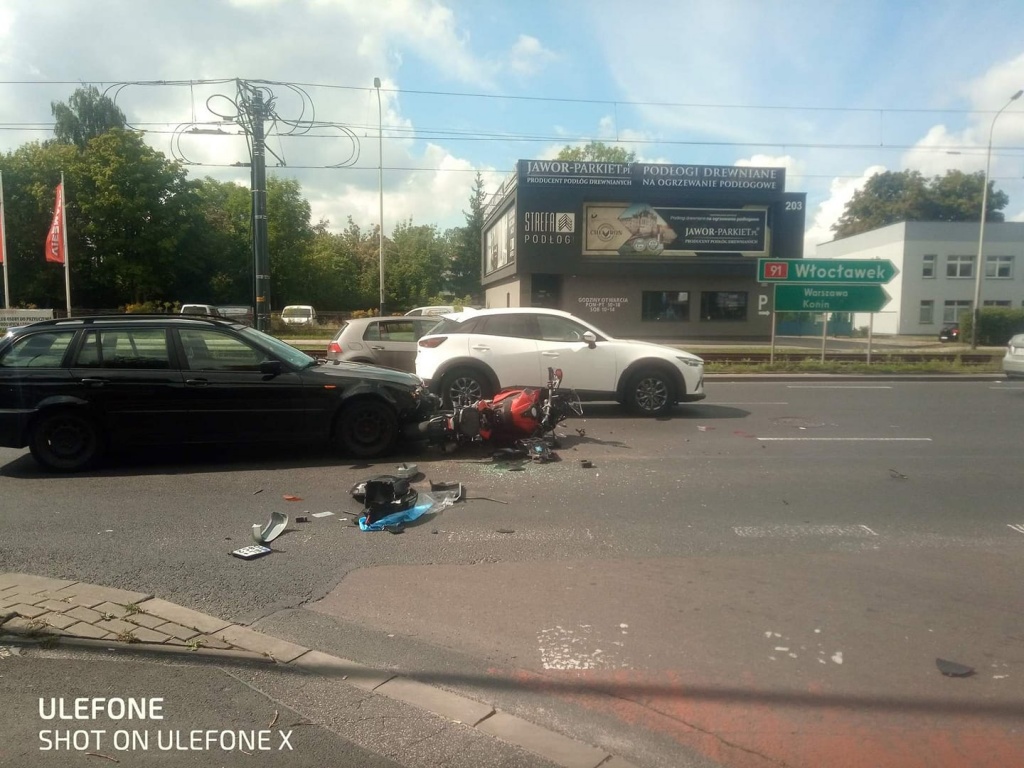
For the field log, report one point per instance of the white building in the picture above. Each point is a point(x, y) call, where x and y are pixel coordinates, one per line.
point(935, 284)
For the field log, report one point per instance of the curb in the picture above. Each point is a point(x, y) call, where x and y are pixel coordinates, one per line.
point(945, 377)
point(36, 610)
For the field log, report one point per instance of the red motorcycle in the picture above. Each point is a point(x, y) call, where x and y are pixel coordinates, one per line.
point(514, 414)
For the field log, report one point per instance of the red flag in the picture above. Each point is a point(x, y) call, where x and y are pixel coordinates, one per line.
point(55, 237)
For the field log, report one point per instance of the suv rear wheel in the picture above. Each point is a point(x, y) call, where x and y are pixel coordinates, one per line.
point(66, 440)
point(650, 393)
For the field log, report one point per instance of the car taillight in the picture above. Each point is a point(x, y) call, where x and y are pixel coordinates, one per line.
point(334, 347)
point(436, 341)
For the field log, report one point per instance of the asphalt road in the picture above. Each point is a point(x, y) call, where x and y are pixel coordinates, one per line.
point(766, 578)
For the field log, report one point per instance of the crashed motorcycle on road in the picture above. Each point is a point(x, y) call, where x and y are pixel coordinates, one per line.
point(524, 415)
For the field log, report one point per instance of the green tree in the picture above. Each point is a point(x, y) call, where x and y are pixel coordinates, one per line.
point(466, 248)
point(895, 196)
point(87, 114)
point(596, 151)
point(289, 238)
point(414, 266)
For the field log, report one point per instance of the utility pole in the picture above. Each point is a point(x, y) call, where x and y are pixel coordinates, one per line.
point(260, 250)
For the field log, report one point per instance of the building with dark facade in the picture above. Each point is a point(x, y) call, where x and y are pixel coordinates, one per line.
point(641, 249)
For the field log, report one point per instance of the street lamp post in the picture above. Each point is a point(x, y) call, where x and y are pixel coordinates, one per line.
point(979, 263)
point(380, 188)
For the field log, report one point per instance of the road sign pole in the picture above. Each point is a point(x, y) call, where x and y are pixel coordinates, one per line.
point(824, 333)
point(775, 315)
point(871, 325)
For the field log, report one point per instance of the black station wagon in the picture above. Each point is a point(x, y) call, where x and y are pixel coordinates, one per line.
point(70, 388)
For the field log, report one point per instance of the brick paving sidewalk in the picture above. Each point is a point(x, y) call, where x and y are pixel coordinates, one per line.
point(37, 608)
point(41, 608)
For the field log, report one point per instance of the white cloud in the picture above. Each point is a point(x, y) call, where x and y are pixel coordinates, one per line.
point(841, 191)
point(528, 56)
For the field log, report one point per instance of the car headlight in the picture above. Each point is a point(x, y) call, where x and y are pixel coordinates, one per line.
point(691, 361)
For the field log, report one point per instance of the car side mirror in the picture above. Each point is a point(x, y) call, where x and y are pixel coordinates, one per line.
point(590, 338)
point(271, 367)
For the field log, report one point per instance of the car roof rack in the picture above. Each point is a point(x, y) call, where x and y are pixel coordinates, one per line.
point(91, 319)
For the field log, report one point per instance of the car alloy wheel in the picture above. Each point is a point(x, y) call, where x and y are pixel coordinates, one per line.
point(367, 429)
point(464, 387)
point(650, 394)
point(65, 440)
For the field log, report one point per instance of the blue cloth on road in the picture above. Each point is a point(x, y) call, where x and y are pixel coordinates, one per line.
point(422, 506)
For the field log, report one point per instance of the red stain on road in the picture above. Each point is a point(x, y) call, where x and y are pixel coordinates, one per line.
point(742, 727)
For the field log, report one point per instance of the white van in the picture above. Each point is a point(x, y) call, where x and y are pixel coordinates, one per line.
point(299, 315)
point(200, 309)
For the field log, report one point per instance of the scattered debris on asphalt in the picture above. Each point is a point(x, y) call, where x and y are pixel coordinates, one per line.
point(586, 464)
point(301, 519)
point(406, 471)
point(897, 475)
point(259, 491)
point(953, 669)
point(322, 514)
point(252, 552)
point(290, 497)
point(505, 530)
point(274, 528)
point(703, 428)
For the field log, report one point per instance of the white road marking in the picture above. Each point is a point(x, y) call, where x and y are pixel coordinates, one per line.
point(838, 386)
point(562, 648)
point(716, 402)
point(1017, 528)
point(848, 439)
point(796, 531)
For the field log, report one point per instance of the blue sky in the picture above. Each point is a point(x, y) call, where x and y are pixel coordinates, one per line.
point(833, 90)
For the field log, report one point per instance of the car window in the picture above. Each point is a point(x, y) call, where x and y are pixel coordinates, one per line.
point(208, 350)
point(554, 328)
point(425, 326)
point(397, 330)
point(450, 325)
point(372, 331)
point(38, 350)
point(519, 326)
point(134, 348)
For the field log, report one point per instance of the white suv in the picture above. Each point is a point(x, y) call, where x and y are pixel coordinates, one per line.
point(471, 356)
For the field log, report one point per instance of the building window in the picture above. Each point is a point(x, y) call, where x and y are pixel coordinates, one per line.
point(952, 311)
point(959, 266)
point(928, 265)
point(996, 303)
point(665, 306)
point(723, 305)
point(1000, 267)
point(927, 316)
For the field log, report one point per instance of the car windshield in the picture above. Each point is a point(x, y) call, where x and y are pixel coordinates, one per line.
point(278, 348)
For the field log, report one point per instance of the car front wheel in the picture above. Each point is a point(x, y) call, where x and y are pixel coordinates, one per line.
point(464, 386)
point(66, 440)
point(650, 393)
point(366, 429)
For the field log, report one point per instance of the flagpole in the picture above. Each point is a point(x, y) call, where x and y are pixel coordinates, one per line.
point(64, 234)
point(3, 245)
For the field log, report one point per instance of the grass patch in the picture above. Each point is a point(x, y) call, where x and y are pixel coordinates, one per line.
point(879, 365)
point(132, 609)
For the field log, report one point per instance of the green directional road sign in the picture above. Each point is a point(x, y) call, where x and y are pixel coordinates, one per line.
point(832, 271)
point(830, 298)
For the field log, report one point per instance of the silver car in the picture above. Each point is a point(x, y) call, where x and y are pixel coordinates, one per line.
point(1013, 362)
point(387, 341)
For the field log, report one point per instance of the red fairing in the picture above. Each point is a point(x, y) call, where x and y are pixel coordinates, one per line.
point(513, 413)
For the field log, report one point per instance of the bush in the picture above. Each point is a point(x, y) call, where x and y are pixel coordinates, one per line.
point(998, 324)
point(153, 308)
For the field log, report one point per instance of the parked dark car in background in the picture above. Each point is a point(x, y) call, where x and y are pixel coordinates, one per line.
point(71, 388)
point(950, 333)
point(388, 341)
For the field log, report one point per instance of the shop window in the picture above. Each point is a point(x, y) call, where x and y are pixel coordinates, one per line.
point(999, 267)
point(665, 306)
point(959, 266)
point(928, 265)
point(723, 305)
point(927, 316)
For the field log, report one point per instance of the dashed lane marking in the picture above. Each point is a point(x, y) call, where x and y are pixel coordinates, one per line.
point(848, 439)
point(1018, 528)
point(797, 531)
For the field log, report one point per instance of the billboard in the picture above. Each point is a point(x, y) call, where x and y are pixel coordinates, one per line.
point(640, 230)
